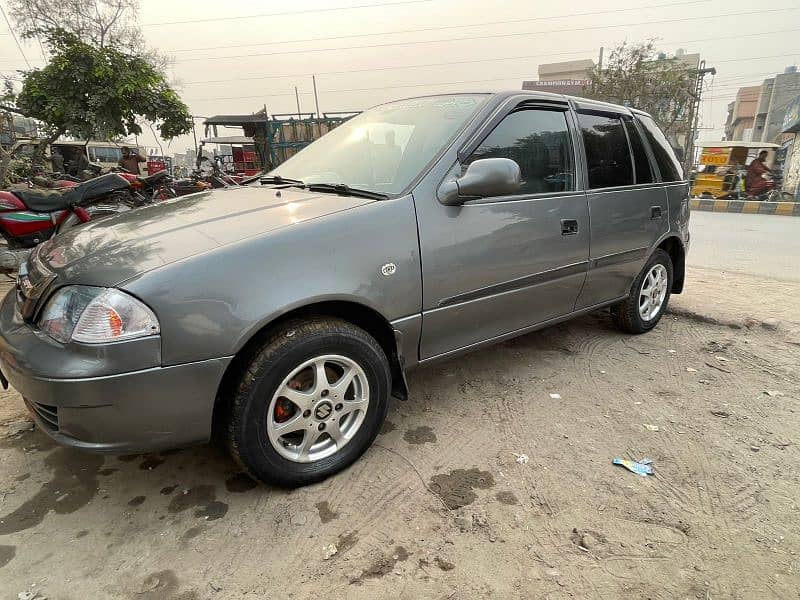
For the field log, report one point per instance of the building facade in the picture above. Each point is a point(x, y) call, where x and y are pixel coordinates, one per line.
point(569, 77)
point(742, 114)
point(774, 97)
point(790, 148)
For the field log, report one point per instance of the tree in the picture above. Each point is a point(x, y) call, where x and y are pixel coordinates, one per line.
point(98, 23)
point(7, 110)
point(634, 76)
point(98, 91)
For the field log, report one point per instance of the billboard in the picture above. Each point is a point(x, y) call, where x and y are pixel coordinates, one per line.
point(570, 87)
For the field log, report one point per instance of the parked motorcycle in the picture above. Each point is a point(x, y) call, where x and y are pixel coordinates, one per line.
point(160, 186)
point(31, 216)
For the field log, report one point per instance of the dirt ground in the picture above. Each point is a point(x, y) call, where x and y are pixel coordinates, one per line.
point(444, 505)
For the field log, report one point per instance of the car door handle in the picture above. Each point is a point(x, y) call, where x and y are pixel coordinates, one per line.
point(655, 212)
point(569, 227)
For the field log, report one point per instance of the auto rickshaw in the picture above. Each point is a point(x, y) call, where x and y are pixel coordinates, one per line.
point(723, 166)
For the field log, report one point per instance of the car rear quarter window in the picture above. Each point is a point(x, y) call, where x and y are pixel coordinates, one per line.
point(538, 140)
point(608, 157)
point(641, 163)
point(667, 162)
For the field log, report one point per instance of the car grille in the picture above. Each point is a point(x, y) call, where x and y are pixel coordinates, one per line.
point(47, 413)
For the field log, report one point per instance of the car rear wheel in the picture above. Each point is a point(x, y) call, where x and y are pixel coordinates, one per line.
point(650, 293)
point(309, 403)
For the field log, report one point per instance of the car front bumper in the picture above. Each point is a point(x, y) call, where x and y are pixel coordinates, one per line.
point(77, 401)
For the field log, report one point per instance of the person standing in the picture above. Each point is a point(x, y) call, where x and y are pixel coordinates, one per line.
point(130, 160)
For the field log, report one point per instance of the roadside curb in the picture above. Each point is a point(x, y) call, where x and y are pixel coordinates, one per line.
point(752, 207)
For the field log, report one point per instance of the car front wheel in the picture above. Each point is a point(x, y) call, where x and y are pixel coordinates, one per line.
point(310, 402)
point(650, 293)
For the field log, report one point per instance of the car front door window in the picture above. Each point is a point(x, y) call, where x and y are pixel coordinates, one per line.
point(538, 141)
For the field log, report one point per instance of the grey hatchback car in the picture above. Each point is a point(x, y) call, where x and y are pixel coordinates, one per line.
point(283, 315)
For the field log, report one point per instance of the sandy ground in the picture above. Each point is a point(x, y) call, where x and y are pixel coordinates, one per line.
point(441, 507)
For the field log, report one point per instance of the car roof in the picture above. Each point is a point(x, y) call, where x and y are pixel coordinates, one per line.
point(579, 102)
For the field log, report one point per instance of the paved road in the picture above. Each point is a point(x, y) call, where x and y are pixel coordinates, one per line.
point(765, 245)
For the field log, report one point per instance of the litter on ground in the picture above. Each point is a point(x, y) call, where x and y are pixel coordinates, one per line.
point(522, 459)
point(642, 467)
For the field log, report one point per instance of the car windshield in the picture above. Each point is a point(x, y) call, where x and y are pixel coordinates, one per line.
point(384, 148)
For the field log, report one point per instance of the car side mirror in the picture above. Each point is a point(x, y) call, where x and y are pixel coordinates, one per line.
point(485, 177)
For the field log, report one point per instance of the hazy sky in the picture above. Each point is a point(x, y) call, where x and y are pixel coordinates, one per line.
point(237, 56)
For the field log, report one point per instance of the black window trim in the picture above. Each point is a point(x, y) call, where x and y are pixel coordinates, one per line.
point(615, 114)
point(647, 151)
point(647, 147)
point(513, 106)
point(643, 134)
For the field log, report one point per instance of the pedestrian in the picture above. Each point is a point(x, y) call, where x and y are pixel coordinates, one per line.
point(130, 160)
point(57, 160)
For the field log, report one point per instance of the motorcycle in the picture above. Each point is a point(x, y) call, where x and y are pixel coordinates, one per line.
point(773, 192)
point(30, 216)
point(160, 186)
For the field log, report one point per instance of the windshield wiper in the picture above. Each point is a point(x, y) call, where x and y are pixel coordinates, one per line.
point(278, 180)
point(344, 190)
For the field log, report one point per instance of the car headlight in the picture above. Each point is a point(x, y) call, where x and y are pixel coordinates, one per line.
point(95, 315)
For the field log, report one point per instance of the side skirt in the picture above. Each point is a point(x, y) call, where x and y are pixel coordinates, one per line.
point(517, 332)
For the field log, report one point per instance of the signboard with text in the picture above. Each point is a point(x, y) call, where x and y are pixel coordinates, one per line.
point(570, 87)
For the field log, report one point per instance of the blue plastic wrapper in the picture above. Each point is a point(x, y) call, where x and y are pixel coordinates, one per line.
point(641, 467)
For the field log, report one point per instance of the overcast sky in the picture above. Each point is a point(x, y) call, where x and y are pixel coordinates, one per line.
point(236, 56)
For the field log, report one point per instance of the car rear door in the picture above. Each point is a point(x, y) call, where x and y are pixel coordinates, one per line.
point(497, 265)
point(628, 207)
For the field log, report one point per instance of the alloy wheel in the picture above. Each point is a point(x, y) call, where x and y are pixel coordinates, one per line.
point(318, 408)
point(653, 292)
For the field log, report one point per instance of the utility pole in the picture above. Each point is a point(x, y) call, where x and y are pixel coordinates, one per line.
point(194, 133)
point(694, 113)
point(316, 98)
point(600, 60)
point(297, 97)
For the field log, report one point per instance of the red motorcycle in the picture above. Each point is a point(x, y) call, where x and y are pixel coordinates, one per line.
point(30, 216)
point(160, 186)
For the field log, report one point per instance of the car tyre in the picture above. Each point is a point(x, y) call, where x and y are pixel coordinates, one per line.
point(256, 404)
point(650, 293)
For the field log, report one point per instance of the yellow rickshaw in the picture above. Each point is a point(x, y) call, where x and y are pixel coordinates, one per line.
point(723, 166)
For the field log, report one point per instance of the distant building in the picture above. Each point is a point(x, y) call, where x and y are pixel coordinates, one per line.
point(569, 77)
point(773, 98)
point(742, 114)
point(776, 95)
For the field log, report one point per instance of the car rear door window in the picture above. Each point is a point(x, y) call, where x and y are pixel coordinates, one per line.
point(641, 163)
point(667, 162)
point(608, 156)
point(538, 141)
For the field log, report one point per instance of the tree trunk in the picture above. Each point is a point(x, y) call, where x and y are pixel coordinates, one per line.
point(5, 160)
point(38, 153)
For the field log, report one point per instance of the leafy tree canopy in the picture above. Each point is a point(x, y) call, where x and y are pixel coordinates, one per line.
point(98, 91)
point(634, 76)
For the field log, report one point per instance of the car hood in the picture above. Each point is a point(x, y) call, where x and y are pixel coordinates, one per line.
point(113, 250)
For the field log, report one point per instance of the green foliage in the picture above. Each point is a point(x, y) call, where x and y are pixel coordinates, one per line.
point(7, 97)
point(633, 76)
point(88, 91)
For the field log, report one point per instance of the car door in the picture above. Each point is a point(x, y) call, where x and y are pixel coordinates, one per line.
point(628, 207)
point(497, 265)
